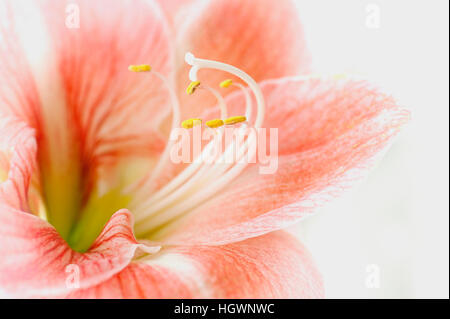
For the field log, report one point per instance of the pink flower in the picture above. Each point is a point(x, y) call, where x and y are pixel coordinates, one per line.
point(80, 137)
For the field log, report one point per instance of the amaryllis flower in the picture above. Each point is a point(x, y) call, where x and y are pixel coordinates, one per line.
point(90, 203)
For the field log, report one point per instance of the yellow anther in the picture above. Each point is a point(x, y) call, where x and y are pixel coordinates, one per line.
point(190, 123)
point(192, 86)
point(140, 68)
point(235, 119)
point(215, 123)
point(226, 83)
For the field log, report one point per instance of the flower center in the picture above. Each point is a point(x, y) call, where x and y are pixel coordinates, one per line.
point(77, 205)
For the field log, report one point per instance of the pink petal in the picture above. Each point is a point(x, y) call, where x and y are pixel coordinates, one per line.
point(271, 266)
point(264, 38)
point(85, 87)
point(35, 259)
point(329, 135)
point(117, 107)
point(18, 92)
point(17, 160)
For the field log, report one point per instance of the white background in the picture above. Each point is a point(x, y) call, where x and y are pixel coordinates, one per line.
point(397, 219)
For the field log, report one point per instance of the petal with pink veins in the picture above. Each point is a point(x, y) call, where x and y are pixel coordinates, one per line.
point(271, 266)
point(37, 262)
point(109, 105)
point(116, 110)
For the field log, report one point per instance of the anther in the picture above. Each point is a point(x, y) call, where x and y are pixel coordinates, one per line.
point(190, 123)
point(235, 119)
point(226, 83)
point(192, 87)
point(214, 123)
point(140, 68)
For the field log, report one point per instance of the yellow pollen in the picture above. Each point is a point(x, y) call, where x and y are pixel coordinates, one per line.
point(235, 119)
point(226, 83)
point(192, 86)
point(140, 68)
point(215, 123)
point(190, 123)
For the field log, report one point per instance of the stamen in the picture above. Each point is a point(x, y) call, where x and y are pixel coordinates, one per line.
point(235, 119)
point(192, 86)
point(190, 123)
point(194, 182)
point(140, 68)
point(220, 100)
point(215, 123)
